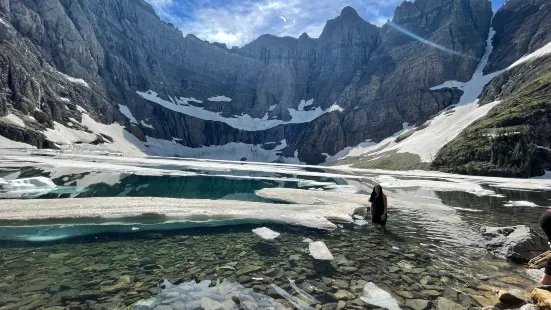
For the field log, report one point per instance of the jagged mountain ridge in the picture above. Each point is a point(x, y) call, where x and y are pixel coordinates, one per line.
point(379, 76)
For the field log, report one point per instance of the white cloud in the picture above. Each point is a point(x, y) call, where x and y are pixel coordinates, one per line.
point(238, 22)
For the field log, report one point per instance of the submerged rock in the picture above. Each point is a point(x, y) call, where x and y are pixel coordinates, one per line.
point(515, 243)
point(509, 300)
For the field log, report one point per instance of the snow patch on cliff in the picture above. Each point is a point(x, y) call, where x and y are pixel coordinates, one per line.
point(220, 99)
point(6, 143)
point(74, 80)
point(126, 112)
point(242, 122)
point(13, 119)
point(144, 124)
point(62, 134)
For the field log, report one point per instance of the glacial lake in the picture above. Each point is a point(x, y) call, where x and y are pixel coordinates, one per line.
point(431, 252)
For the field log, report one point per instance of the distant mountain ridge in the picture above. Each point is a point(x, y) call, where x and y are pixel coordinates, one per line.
point(312, 97)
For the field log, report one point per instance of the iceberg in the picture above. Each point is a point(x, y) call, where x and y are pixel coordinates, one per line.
point(319, 251)
point(375, 296)
point(26, 188)
point(266, 233)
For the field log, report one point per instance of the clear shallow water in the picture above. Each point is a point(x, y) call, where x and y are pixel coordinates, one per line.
point(425, 254)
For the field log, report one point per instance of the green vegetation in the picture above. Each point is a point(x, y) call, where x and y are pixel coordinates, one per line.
point(510, 141)
point(391, 160)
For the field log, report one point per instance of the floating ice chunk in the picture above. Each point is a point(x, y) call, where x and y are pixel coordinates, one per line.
point(257, 279)
point(520, 204)
point(295, 301)
point(201, 296)
point(311, 299)
point(30, 183)
point(319, 251)
point(135, 228)
point(27, 187)
point(266, 233)
point(375, 296)
point(307, 240)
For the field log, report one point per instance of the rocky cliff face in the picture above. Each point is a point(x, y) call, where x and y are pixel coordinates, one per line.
point(522, 26)
point(513, 140)
point(365, 81)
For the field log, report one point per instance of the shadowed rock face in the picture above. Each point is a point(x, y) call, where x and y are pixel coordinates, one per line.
point(379, 76)
point(522, 26)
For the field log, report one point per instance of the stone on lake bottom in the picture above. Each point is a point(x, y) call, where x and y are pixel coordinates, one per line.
point(446, 304)
point(417, 304)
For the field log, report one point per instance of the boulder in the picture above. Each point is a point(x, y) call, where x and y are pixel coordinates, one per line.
point(515, 243)
point(541, 298)
point(509, 300)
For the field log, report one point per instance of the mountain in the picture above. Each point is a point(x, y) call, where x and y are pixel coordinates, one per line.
point(514, 138)
point(110, 56)
point(110, 75)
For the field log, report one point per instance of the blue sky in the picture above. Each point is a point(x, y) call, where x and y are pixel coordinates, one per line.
point(237, 22)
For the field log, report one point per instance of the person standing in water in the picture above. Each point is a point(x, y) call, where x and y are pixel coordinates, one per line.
point(378, 206)
point(545, 223)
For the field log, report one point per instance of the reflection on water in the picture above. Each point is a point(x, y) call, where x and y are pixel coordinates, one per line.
point(492, 210)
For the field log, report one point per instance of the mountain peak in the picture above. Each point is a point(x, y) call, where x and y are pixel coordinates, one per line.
point(349, 11)
point(304, 35)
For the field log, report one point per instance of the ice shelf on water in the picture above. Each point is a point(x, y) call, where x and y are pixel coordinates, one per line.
point(266, 233)
point(452, 185)
point(131, 210)
point(319, 251)
point(309, 197)
point(375, 296)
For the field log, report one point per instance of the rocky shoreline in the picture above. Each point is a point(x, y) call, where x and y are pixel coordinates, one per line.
point(117, 271)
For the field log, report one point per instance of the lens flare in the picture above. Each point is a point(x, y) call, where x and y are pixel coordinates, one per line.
point(432, 44)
